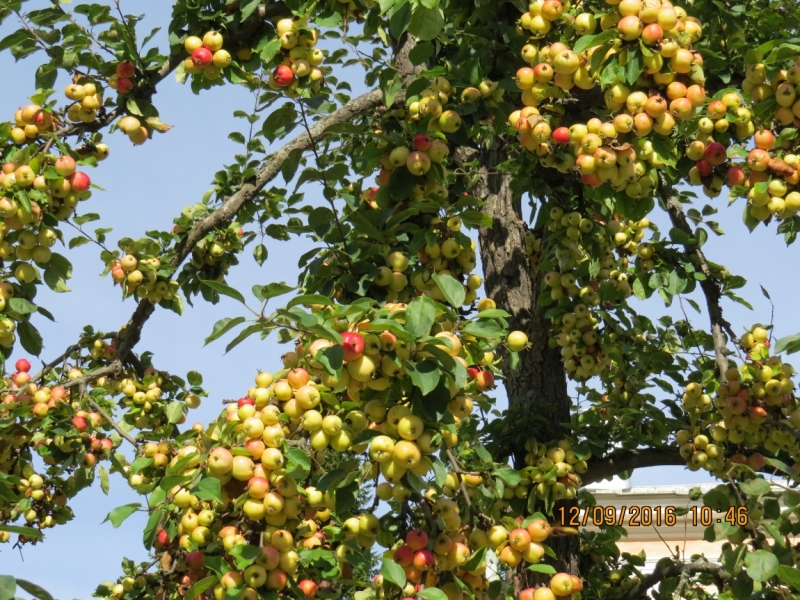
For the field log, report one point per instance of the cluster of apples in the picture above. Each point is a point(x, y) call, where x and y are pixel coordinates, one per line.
point(561, 585)
point(299, 58)
point(576, 328)
point(30, 122)
point(37, 499)
point(759, 389)
point(137, 133)
point(122, 79)
point(769, 176)
point(138, 275)
point(86, 101)
point(211, 259)
point(51, 183)
point(555, 470)
point(433, 103)
point(207, 57)
point(609, 152)
point(41, 504)
point(148, 397)
point(426, 150)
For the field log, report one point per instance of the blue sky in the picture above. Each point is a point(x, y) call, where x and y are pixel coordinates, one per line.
point(146, 187)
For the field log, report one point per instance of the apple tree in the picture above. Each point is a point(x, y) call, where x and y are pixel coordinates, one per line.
point(542, 142)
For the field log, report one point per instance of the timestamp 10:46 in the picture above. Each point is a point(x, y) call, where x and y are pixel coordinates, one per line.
point(646, 516)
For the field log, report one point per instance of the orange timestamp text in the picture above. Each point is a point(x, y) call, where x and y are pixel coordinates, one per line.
point(648, 516)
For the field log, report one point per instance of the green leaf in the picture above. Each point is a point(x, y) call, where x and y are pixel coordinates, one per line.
point(424, 375)
point(393, 573)
point(8, 587)
point(789, 344)
point(271, 290)
point(790, 576)
point(150, 529)
point(587, 41)
point(248, 8)
point(309, 299)
point(34, 590)
point(400, 20)
point(207, 583)
point(476, 560)
point(222, 327)
point(119, 514)
point(298, 465)
point(426, 23)
point(28, 532)
point(541, 568)
point(175, 412)
point(22, 306)
point(104, 480)
point(280, 121)
point(223, 289)
point(451, 289)
point(30, 338)
point(439, 471)
point(420, 315)
point(420, 53)
point(755, 487)
point(260, 254)
point(510, 476)
point(332, 359)
point(761, 565)
point(208, 489)
point(483, 329)
point(433, 593)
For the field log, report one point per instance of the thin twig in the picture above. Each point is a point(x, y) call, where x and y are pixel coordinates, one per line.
point(326, 185)
point(111, 421)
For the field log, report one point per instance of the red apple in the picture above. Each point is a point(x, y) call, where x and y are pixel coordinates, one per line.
point(485, 380)
point(245, 400)
point(283, 76)
point(308, 587)
point(79, 181)
point(423, 559)
point(715, 154)
point(125, 69)
point(202, 57)
point(22, 365)
point(353, 345)
point(704, 167)
point(195, 560)
point(404, 556)
point(80, 423)
point(472, 372)
point(124, 85)
point(417, 539)
point(422, 142)
point(736, 176)
point(561, 135)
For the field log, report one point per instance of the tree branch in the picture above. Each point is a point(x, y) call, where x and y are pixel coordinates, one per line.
point(660, 574)
point(628, 460)
point(710, 285)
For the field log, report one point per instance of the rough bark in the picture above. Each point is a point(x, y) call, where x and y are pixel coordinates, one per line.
point(537, 388)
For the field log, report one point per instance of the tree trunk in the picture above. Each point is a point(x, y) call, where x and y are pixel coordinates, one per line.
point(537, 389)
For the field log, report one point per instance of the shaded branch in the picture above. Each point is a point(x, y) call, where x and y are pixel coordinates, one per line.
point(684, 570)
point(710, 285)
point(783, 426)
point(628, 460)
